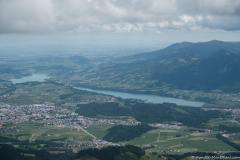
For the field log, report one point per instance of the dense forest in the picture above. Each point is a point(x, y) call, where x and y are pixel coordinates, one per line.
point(128, 152)
point(124, 133)
point(151, 113)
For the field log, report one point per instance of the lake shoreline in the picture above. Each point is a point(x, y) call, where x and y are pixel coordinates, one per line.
point(148, 98)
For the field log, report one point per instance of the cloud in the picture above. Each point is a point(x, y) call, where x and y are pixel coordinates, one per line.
point(26, 15)
point(29, 16)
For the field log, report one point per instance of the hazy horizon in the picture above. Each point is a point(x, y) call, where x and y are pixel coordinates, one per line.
point(112, 27)
point(93, 45)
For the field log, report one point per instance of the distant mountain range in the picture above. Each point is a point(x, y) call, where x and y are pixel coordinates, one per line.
point(204, 65)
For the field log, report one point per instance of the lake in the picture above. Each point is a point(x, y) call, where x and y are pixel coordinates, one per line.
point(145, 97)
point(31, 78)
point(125, 95)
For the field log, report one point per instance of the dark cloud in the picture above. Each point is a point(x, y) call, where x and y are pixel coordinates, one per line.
point(117, 15)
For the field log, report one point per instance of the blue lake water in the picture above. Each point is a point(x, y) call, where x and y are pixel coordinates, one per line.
point(125, 95)
point(31, 78)
point(145, 97)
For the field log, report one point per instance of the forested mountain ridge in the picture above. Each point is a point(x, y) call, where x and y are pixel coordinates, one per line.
point(204, 65)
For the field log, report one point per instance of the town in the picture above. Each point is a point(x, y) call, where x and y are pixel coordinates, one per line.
point(50, 115)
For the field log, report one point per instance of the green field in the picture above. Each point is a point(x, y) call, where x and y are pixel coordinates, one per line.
point(173, 140)
point(235, 137)
point(98, 131)
point(179, 141)
point(32, 132)
point(36, 93)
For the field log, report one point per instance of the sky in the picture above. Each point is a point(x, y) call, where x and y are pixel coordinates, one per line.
point(150, 22)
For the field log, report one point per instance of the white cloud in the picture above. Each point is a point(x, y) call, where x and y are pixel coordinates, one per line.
point(26, 15)
point(117, 15)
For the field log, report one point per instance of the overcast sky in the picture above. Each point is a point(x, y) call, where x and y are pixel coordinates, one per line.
point(34, 16)
point(148, 21)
